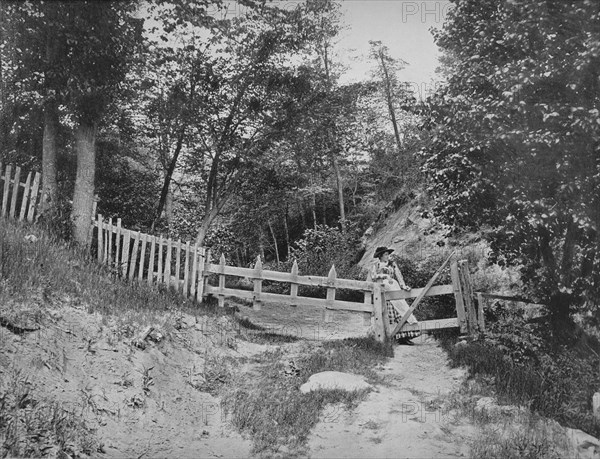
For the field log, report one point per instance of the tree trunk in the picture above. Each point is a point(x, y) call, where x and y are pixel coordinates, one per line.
point(274, 242)
point(314, 208)
point(169, 209)
point(287, 231)
point(83, 196)
point(340, 190)
point(168, 176)
point(390, 103)
point(49, 185)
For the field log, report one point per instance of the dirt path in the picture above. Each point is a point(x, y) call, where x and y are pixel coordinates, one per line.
point(403, 420)
point(406, 418)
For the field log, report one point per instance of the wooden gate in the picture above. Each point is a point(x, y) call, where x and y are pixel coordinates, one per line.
point(469, 314)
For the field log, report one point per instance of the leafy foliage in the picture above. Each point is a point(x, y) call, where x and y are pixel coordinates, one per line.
point(516, 138)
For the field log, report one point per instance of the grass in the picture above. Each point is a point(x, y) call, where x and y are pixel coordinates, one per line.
point(53, 272)
point(32, 427)
point(272, 410)
point(558, 382)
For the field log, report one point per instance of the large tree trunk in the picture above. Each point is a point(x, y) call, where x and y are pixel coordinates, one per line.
point(83, 196)
point(340, 190)
point(49, 185)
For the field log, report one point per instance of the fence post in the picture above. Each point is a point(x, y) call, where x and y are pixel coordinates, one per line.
point(7, 174)
point(177, 265)
point(379, 324)
point(222, 281)
point(134, 252)
point(458, 296)
point(25, 197)
point(186, 270)
point(330, 299)
point(294, 283)
point(480, 308)
point(159, 269)
point(256, 300)
point(118, 244)
point(152, 240)
point(467, 295)
point(194, 271)
point(368, 300)
point(15, 193)
point(110, 240)
point(201, 275)
point(33, 199)
point(142, 257)
point(125, 252)
point(167, 274)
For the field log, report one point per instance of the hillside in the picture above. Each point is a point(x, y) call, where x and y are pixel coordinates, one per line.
point(410, 228)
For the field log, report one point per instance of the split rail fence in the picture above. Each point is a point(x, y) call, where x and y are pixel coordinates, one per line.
point(188, 269)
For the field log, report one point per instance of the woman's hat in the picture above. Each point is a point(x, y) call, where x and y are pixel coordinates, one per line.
point(381, 250)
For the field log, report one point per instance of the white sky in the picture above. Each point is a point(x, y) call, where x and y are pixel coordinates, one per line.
point(403, 26)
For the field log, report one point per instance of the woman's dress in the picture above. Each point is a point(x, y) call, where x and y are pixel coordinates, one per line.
point(391, 280)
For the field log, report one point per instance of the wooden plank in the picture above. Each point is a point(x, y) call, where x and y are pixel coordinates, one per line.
point(110, 241)
point(152, 241)
point(7, 176)
point(15, 192)
point(415, 303)
point(257, 281)
point(118, 244)
point(293, 282)
point(125, 252)
point(159, 273)
point(379, 324)
point(100, 244)
point(480, 308)
point(285, 299)
point(105, 240)
point(467, 291)
point(25, 200)
point(144, 237)
point(167, 272)
point(201, 274)
point(330, 296)
point(186, 270)
point(134, 253)
point(387, 326)
point(415, 292)
point(458, 298)
point(368, 299)
point(178, 264)
point(222, 282)
point(194, 271)
point(34, 197)
point(314, 281)
point(432, 325)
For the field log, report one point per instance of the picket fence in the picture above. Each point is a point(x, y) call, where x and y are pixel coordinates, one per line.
point(187, 268)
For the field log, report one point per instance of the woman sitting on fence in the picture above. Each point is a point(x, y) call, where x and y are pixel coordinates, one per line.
point(390, 277)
